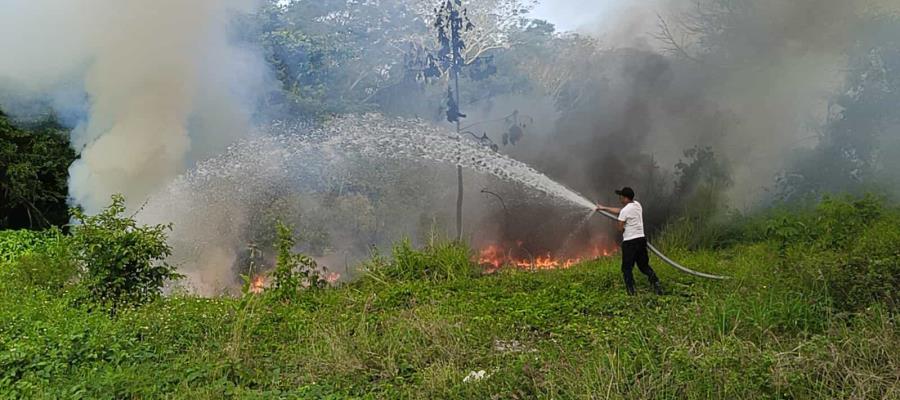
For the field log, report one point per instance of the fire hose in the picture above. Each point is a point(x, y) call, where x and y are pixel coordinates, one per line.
point(668, 260)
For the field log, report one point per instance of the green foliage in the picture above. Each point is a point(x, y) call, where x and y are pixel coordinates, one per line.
point(697, 200)
point(123, 261)
point(701, 167)
point(841, 220)
point(14, 244)
point(847, 244)
point(438, 261)
point(49, 265)
point(869, 270)
point(293, 271)
point(332, 56)
point(553, 334)
point(34, 168)
point(821, 324)
point(786, 231)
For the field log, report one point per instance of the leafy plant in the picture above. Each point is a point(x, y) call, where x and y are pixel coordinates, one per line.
point(841, 220)
point(124, 262)
point(293, 271)
point(440, 261)
point(871, 272)
point(50, 264)
point(785, 232)
point(14, 244)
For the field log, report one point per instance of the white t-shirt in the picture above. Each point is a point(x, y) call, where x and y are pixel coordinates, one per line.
point(633, 217)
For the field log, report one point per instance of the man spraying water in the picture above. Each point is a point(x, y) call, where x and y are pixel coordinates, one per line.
point(634, 243)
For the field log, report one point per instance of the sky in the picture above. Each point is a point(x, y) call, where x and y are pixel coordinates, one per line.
point(570, 15)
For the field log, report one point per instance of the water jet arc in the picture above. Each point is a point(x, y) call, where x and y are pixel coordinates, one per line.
point(668, 260)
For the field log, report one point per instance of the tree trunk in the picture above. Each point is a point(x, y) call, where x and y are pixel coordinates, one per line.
point(459, 176)
point(459, 203)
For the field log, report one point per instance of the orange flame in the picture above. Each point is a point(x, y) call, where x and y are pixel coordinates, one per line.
point(493, 257)
point(258, 284)
point(332, 277)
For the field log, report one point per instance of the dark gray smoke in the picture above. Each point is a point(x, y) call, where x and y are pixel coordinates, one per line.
point(753, 81)
point(750, 79)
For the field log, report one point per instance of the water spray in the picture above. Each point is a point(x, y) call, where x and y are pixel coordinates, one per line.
point(668, 260)
point(223, 194)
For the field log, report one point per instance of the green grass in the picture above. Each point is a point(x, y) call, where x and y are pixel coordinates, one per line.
point(810, 313)
point(767, 333)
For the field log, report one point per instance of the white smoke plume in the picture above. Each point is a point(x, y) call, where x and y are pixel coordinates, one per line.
point(154, 85)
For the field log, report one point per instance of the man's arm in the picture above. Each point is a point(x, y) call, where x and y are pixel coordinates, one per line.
point(620, 225)
point(611, 210)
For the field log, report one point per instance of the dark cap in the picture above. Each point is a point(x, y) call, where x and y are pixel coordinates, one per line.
point(627, 192)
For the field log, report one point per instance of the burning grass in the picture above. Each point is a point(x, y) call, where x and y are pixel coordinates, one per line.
point(493, 257)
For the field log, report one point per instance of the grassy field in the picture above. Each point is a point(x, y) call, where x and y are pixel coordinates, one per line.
point(418, 325)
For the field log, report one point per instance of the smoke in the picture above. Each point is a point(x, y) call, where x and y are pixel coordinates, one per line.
point(341, 205)
point(153, 87)
point(750, 79)
point(149, 86)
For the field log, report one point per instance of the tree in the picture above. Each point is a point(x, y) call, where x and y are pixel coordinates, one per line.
point(859, 144)
point(34, 167)
point(494, 24)
point(338, 56)
point(455, 18)
point(450, 22)
point(124, 262)
point(335, 56)
point(558, 64)
point(701, 182)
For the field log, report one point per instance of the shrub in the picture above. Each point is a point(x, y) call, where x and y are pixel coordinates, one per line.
point(293, 271)
point(870, 271)
point(786, 231)
point(841, 220)
point(442, 261)
point(850, 245)
point(123, 261)
point(50, 265)
point(14, 244)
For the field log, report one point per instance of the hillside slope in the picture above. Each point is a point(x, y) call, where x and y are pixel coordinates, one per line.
point(553, 334)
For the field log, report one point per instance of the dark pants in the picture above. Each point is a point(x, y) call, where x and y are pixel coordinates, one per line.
point(635, 250)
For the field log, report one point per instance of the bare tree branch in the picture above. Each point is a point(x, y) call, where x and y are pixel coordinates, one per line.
point(673, 45)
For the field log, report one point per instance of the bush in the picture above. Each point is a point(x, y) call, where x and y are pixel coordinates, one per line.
point(50, 265)
point(870, 271)
point(123, 261)
point(850, 245)
point(444, 261)
point(863, 235)
point(293, 271)
point(841, 220)
point(14, 244)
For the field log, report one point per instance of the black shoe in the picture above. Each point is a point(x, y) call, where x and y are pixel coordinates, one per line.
point(657, 288)
point(630, 290)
